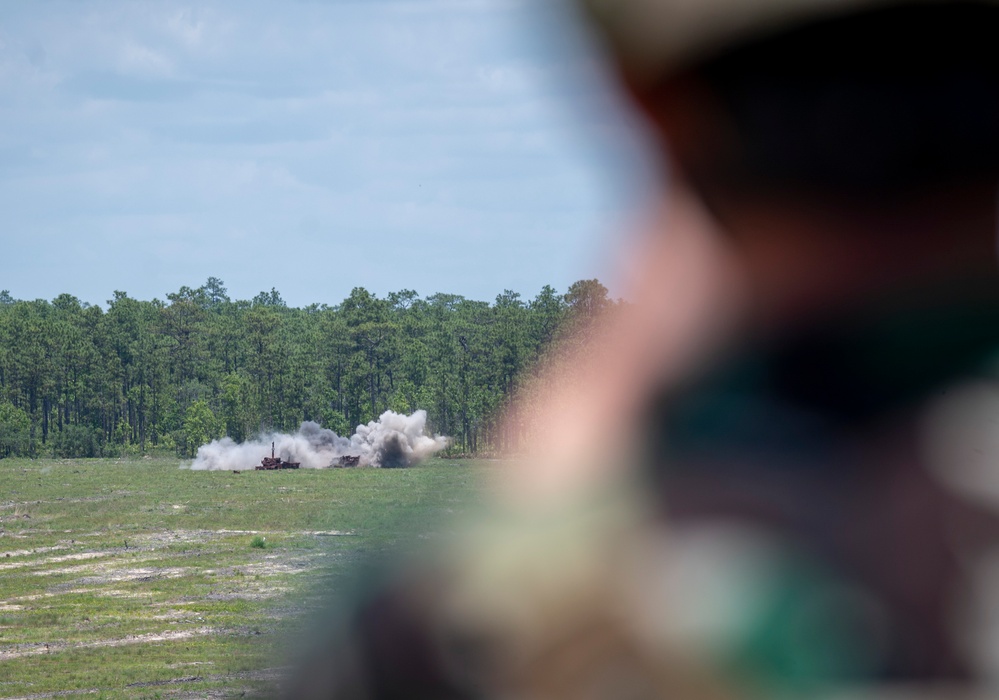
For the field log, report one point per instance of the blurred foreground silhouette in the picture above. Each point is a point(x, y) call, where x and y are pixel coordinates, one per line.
point(775, 474)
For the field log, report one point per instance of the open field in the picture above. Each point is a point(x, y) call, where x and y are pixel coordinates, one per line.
point(139, 579)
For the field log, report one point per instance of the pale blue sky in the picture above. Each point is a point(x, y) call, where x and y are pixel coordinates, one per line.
point(460, 146)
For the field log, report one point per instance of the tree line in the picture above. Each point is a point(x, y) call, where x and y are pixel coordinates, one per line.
point(78, 380)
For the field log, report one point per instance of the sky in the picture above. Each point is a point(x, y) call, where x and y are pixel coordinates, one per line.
point(459, 146)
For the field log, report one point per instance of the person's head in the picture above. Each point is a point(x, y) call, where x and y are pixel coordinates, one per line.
point(854, 125)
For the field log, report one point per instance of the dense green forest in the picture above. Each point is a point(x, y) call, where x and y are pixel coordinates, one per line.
point(78, 380)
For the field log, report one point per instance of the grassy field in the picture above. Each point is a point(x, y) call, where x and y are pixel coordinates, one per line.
point(139, 579)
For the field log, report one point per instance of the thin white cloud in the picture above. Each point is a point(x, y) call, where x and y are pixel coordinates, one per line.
point(136, 59)
point(186, 25)
point(210, 132)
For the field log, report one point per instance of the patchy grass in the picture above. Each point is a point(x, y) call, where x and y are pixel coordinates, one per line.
point(140, 579)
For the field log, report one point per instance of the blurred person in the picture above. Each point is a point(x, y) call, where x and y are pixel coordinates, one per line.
point(775, 474)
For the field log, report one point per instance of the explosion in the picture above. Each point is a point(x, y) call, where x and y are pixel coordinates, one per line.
point(394, 440)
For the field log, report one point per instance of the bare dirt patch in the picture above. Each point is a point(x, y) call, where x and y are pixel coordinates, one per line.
point(21, 650)
point(27, 552)
point(53, 560)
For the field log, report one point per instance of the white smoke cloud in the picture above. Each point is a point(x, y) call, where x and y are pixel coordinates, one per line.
point(394, 440)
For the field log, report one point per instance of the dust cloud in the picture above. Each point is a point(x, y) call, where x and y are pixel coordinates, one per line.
point(394, 440)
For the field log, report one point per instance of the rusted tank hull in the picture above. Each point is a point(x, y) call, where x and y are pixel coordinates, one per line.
point(282, 465)
point(272, 462)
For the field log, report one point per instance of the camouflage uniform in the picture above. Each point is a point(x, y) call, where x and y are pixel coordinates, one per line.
point(824, 446)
